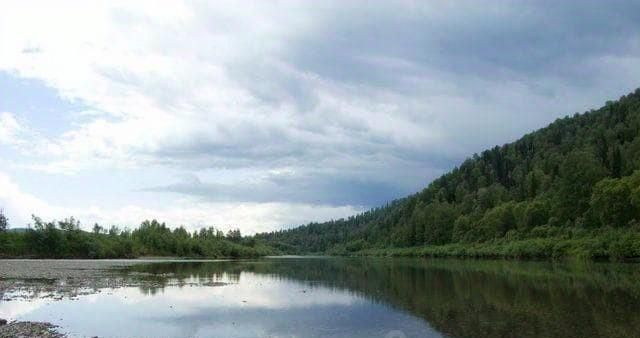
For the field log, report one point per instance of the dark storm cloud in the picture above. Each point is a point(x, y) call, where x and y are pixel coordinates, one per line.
point(467, 74)
point(499, 38)
point(334, 190)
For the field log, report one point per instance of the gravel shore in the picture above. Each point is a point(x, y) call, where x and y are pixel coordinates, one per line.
point(55, 279)
point(22, 279)
point(29, 330)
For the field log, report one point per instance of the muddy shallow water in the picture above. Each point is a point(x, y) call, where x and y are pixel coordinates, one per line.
point(323, 297)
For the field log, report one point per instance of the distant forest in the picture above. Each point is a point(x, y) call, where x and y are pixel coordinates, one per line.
point(65, 239)
point(570, 189)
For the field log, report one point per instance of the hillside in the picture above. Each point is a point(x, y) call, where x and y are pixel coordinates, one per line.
point(569, 189)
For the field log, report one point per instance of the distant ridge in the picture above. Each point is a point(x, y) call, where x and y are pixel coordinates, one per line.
point(574, 180)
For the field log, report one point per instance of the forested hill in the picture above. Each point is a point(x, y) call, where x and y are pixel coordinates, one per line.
point(575, 180)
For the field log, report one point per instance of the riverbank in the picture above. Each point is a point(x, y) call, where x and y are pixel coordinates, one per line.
point(28, 330)
point(58, 279)
point(615, 248)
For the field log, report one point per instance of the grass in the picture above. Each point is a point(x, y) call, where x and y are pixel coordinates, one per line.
point(614, 244)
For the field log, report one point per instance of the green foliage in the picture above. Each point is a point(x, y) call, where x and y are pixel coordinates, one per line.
point(577, 174)
point(4, 222)
point(611, 202)
point(65, 239)
point(496, 222)
point(461, 228)
point(439, 217)
point(546, 243)
point(535, 214)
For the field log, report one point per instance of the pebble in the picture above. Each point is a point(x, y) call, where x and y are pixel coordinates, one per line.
point(29, 330)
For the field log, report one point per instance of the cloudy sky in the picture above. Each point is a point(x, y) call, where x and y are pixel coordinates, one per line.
point(269, 114)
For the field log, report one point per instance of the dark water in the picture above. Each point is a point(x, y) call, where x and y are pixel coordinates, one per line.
point(334, 297)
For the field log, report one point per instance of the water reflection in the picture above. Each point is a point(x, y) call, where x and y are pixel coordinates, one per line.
point(351, 298)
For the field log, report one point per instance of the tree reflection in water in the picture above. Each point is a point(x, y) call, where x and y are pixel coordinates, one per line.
point(461, 298)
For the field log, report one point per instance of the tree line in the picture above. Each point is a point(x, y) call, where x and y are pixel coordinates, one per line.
point(65, 239)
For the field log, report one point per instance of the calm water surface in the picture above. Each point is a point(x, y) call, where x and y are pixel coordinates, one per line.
point(335, 297)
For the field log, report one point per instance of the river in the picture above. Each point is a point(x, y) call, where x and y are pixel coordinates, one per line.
point(324, 297)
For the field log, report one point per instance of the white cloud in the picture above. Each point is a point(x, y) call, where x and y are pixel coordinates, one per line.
point(262, 291)
point(330, 91)
point(19, 204)
point(250, 217)
point(9, 129)
point(214, 85)
point(166, 82)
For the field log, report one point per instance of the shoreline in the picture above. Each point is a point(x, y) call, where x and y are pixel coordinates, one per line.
point(26, 329)
point(539, 249)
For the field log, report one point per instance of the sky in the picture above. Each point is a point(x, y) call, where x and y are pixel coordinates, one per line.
point(264, 115)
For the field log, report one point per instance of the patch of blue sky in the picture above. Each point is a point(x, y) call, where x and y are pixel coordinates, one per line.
point(39, 106)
